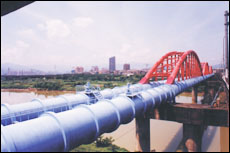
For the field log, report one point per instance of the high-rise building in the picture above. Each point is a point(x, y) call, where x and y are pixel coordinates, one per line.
point(112, 64)
point(126, 67)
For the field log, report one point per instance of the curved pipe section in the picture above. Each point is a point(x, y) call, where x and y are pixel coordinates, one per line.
point(82, 125)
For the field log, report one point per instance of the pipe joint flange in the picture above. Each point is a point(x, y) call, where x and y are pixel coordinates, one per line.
point(54, 116)
point(12, 115)
point(68, 103)
point(40, 101)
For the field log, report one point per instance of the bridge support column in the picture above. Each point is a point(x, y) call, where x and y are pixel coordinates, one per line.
point(194, 95)
point(209, 93)
point(192, 137)
point(142, 134)
point(205, 92)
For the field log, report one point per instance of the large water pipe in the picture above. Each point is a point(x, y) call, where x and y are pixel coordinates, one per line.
point(82, 125)
point(33, 109)
point(30, 110)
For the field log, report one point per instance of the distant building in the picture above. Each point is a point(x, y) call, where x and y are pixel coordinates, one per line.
point(8, 72)
point(72, 71)
point(112, 64)
point(23, 72)
point(126, 67)
point(117, 72)
point(104, 71)
point(79, 69)
point(218, 70)
point(134, 72)
point(94, 70)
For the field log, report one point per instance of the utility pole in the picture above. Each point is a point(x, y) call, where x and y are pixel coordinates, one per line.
point(226, 14)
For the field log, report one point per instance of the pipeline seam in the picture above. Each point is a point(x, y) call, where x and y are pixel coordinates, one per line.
point(132, 103)
point(158, 96)
point(88, 99)
point(167, 89)
point(40, 101)
point(148, 93)
point(53, 116)
point(94, 118)
point(12, 114)
point(164, 93)
point(68, 103)
point(153, 100)
point(7, 139)
point(142, 100)
point(117, 112)
point(109, 90)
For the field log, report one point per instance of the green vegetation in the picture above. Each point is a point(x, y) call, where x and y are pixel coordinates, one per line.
point(100, 145)
point(58, 85)
point(66, 81)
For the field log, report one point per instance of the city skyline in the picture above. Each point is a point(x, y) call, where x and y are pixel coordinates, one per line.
point(23, 70)
point(138, 33)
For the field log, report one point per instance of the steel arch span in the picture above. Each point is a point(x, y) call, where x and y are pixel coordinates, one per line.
point(206, 69)
point(177, 66)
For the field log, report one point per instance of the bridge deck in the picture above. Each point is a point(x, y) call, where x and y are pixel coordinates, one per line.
point(195, 114)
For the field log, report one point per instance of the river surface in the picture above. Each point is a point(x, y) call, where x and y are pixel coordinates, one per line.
point(165, 135)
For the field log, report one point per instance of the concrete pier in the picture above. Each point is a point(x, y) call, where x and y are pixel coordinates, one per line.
point(194, 95)
point(142, 134)
point(192, 137)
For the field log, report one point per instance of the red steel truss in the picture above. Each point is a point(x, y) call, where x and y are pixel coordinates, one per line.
point(177, 65)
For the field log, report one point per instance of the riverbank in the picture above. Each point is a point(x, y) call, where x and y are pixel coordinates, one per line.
point(20, 90)
point(45, 93)
point(100, 145)
point(68, 82)
point(93, 148)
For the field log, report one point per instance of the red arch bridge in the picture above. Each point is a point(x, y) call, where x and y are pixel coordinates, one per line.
point(180, 65)
point(65, 122)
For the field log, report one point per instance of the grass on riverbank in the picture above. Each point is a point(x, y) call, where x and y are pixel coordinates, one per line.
point(93, 148)
point(66, 82)
point(100, 145)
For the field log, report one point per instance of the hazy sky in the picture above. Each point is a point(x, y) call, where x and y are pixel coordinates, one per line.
point(68, 34)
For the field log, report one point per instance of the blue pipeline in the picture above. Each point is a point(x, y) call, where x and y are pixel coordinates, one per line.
point(30, 110)
point(21, 112)
point(83, 124)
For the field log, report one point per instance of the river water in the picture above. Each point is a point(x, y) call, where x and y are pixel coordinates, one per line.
point(165, 135)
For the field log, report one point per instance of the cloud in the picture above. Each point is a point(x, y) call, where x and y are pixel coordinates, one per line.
point(134, 33)
point(15, 53)
point(55, 28)
point(27, 34)
point(22, 44)
point(41, 26)
point(82, 21)
point(133, 52)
